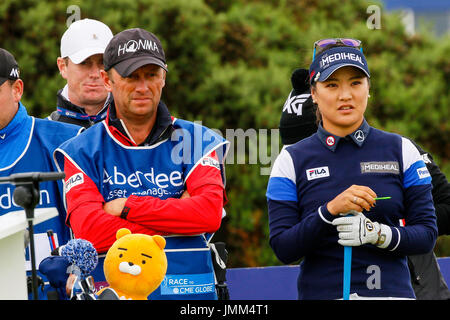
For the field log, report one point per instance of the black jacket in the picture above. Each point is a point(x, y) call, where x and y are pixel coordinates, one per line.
point(426, 278)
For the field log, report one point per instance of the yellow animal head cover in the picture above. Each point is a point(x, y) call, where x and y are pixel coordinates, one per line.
point(136, 264)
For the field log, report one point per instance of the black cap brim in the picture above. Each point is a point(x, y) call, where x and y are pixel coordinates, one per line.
point(128, 66)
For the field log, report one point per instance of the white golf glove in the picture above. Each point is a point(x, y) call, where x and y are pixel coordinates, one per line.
point(355, 230)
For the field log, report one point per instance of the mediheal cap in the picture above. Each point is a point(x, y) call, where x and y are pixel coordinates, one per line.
point(335, 58)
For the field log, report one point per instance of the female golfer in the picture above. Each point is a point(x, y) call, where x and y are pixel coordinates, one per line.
point(323, 190)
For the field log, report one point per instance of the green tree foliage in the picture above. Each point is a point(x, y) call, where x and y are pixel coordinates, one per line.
point(230, 63)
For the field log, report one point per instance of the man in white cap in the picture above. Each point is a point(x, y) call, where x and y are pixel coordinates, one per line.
point(84, 99)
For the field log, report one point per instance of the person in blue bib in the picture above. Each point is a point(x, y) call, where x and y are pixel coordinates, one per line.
point(27, 145)
point(322, 192)
point(147, 171)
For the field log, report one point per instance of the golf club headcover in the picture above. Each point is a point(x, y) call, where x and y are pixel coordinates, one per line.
point(82, 254)
point(55, 269)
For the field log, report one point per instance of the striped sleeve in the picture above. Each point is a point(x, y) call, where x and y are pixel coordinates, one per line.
point(419, 233)
point(415, 172)
point(293, 233)
point(282, 186)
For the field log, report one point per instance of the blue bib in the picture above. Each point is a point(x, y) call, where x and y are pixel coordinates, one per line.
point(27, 146)
point(159, 171)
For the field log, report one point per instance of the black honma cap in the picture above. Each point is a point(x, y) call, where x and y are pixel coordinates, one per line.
point(131, 49)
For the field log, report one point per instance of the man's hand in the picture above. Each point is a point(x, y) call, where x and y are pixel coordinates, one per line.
point(185, 195)
point(115, 207)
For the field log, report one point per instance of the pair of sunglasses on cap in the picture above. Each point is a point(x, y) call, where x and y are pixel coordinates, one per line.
point(348, 54)
point(319, 45)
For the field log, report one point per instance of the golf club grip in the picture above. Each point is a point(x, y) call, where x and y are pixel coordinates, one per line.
point(347, 272)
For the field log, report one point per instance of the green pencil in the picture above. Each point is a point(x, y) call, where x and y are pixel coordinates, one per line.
point(382, 198)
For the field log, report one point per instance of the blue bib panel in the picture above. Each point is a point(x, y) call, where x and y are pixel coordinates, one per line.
point(28, 146)
point(159, 171)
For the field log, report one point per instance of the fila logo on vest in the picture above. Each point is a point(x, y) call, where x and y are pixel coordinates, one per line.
point(316, 173)
point(209, 161)
point(73, 181)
